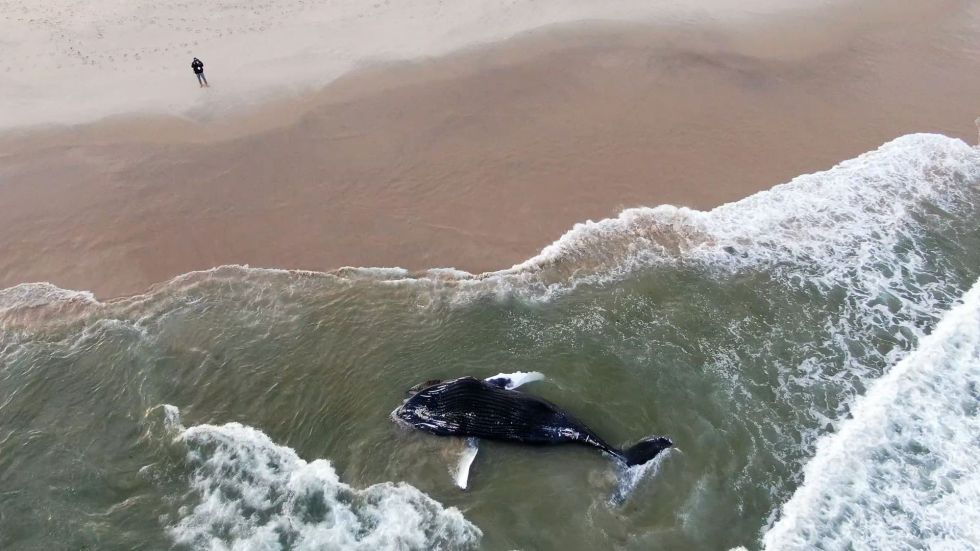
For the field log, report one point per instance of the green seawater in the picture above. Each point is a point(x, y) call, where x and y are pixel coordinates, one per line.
point(744, 357)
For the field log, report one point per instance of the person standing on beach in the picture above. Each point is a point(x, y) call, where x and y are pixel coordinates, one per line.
point(198, 67)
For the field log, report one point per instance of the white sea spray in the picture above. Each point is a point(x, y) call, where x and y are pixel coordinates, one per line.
point(247, 492)
point(901, 473)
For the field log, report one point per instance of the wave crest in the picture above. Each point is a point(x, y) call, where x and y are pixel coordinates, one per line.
point(852, 212)
point(249, 493)
point(903, 469)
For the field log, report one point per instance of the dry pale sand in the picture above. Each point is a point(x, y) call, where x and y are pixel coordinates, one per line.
point(479, 159)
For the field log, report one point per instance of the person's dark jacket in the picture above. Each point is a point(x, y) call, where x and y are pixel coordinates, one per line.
point(198, 66)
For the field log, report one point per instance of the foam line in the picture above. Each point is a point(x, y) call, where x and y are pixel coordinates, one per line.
point(257, 494)
point(846, 221)
point(903, 471)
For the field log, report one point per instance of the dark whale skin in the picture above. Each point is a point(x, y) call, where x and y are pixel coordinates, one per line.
point(469, 407)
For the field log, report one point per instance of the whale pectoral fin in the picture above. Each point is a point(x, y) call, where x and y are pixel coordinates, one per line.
point(511, 381)
point(498, 381)
point(461, 474)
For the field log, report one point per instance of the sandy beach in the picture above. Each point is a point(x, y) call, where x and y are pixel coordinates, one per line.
point(479, 158)
point(731, 246)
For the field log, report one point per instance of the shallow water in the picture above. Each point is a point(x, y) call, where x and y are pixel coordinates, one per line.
point(246, 408)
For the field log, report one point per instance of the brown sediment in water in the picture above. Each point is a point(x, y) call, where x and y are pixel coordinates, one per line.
point(479, 159)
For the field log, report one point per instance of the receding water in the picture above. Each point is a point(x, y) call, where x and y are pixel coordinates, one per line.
point(204, 413)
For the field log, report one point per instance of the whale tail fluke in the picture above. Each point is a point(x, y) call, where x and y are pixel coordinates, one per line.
point(645, 450)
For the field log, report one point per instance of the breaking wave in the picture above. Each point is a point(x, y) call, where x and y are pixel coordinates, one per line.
point(863, 242)
point(246, 492)
point(903, 469)
point(846, 221)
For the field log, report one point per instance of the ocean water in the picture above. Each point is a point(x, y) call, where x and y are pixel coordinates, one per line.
point(812, 350)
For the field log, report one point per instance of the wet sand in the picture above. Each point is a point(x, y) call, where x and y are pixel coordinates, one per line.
point(479, 159)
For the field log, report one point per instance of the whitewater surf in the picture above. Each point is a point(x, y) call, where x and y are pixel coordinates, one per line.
point(246, 407)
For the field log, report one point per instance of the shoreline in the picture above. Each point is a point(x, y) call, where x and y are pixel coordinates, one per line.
point(475, 160)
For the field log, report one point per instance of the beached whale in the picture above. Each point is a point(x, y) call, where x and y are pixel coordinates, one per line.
point(469, 407)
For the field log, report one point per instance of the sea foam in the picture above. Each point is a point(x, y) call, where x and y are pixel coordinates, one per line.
point(246, 492)
point(855, 229)
point(902, 472)
point(841, 219)
point(29, 295)
point(845, 221)
point(842, 224)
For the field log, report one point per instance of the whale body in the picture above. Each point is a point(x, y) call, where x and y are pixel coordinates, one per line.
point(469, 407)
